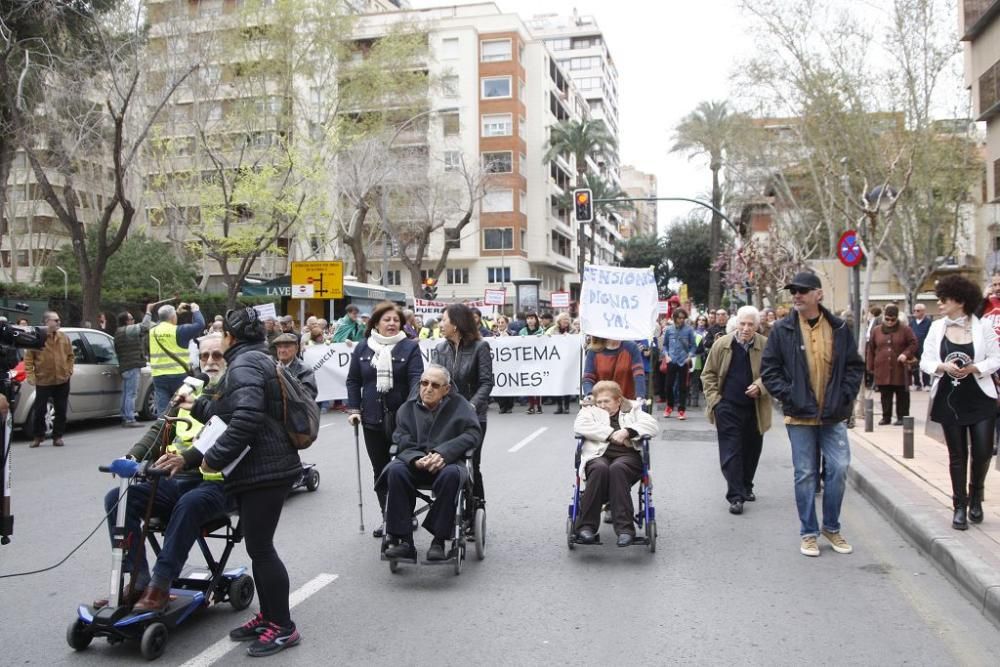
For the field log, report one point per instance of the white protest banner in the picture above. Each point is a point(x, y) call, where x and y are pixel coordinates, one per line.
point(423, 307)
point(662, 307)
point(329, 363)
point(617, 302)
point(559, 299)
point(266, 310)
point(495, 297)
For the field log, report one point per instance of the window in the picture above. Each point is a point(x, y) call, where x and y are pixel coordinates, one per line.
point(449, 85)
point(103, 348)
point(498, 274)
point(215, 111)
point(499, 162)
point(559, 44)
point(591, 62)
point(450, 124)
point(452, 240)
point(494, 50)
point(521, 129)
point(449, 48)
point(452, 160)
point(497, 125)
point(498, 201)
point(392, 278)
point(496, 87)
point(498, 239)
point(457, 276)
point(522, 203)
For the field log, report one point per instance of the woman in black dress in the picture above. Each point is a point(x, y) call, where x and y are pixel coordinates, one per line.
point(961, 353)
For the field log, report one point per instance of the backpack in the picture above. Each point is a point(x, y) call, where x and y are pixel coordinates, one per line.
point(299, 412)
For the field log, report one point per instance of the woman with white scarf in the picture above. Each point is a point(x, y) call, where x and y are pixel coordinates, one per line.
point(385, 371)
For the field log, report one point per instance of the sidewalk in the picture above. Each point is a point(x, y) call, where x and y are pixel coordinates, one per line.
point(916, 495)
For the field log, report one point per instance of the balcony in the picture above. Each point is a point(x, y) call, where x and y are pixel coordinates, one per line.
point(989, 92)
point(978, 15)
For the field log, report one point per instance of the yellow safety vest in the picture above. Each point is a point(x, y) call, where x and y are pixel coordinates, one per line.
point(184, 436)
point(163, 339)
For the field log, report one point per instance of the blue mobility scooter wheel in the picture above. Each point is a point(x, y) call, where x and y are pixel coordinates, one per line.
point(154, 641)
point(78, 635)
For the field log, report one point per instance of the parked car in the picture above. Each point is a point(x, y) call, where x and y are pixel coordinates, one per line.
point(96, 388)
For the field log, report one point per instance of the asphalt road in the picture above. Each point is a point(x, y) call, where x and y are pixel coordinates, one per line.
point(720, 589)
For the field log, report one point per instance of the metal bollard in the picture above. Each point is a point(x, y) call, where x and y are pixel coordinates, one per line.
point(907, 437)
point(869, 415)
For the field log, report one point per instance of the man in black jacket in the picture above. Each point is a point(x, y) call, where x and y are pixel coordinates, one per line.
point(812, 366)
point(433, 432)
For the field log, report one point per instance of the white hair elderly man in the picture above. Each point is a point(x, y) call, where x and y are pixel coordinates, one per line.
point(738, 404)
point(168, 349)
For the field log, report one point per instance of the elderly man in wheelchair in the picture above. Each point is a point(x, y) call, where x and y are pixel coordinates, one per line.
point(183, 502)
point(610, 462)
point(434, 431)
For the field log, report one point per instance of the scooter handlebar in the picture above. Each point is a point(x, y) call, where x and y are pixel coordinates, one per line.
point(129, 468)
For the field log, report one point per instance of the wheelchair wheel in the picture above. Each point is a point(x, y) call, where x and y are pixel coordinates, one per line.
point(312, 480)
point(459, 556)
point(569, 535)
point(241, 592)
point(154, 641)
point(479, 525)
point(651, 535)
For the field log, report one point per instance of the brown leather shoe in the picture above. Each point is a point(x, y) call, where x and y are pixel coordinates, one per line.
point(57, 442)
point(153, 599)
point(35, 442)
point(129, 597)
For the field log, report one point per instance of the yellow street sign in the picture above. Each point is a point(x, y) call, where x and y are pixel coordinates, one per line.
point(318, 280)
point(683, 293)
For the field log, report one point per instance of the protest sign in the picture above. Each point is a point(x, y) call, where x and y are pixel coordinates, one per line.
point(559, 299)
point(423, 307)
point(522, 365)
point(663, 308)
point(617, 302)
point(495, 297)
point(266, 310)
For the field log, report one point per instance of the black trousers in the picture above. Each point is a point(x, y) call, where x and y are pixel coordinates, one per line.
point(59, 393)
point(260, 510)
point(677, 375)
point(958, 437)
point(378, 446)
point(902, 394)
point(610, 479)
point(506, 403)
point(740, 445)
point(920, 379)
point(402, 482)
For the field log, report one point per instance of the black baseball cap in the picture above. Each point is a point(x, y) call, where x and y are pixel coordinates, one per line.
point(244, 324)
point(805, 279)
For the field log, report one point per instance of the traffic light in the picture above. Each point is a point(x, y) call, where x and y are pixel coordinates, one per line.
point(430, 289)
point(583, 203)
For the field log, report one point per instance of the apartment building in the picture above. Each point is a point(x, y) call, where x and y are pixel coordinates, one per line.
point(642, 219)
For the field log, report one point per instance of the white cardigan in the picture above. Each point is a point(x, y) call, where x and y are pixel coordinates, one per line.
point(986, 354)
point(593, 424)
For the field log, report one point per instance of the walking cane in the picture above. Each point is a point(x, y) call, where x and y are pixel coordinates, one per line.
point(357, 459)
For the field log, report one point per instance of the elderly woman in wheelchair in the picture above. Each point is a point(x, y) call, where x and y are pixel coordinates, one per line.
point(435, 432)
point(611, 461)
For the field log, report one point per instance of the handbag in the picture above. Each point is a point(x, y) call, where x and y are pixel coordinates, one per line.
point(388, 420)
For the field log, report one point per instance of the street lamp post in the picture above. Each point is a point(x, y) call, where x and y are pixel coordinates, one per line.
point(65, 283)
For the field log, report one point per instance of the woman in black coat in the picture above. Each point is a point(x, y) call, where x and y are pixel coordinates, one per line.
point(266, 465)
point(467, 357)
point(385, 371)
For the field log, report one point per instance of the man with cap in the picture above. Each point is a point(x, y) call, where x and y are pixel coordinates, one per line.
point(286, 351)
point(812, 366)
point(286, 324)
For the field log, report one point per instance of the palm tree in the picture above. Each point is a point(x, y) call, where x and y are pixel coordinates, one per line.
point(709, 130)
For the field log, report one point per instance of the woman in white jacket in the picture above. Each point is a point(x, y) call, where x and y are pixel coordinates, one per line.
point(961, 353)
point(610, 462)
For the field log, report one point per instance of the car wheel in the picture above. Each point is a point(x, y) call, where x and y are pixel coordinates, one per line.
point(147, 410)
point(29, 423)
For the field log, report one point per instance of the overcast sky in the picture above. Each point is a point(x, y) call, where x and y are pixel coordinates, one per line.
point(671, 55)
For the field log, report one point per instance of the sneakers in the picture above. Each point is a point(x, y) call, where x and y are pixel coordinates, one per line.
point(272, 639)
point(249, 630)
point(667, 411)
point(681, 415)
point(809, 547)
point(838, 542)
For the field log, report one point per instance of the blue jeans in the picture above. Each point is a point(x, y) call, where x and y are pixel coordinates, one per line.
point(165, 387)
point(130, 385)
point(185, 504)
point(807, 442)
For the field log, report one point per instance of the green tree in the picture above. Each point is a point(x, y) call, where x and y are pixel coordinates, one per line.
point(709, 130)
point(648, 250)
point(129, 269)
point(687, 248)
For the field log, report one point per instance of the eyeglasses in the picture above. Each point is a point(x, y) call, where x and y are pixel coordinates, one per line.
point(432, 385)
point(800, 290)
point(214, 356)
point(889, 319)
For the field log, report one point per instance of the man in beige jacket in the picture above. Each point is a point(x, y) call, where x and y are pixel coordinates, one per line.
point(738, 404)
point(49, 370)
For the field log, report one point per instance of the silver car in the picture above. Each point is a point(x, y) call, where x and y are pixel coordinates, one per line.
point(96, 388)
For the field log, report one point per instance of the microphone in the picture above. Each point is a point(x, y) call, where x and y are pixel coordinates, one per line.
point(191, 385)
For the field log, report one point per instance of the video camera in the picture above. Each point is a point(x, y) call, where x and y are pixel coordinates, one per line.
point(31, 338)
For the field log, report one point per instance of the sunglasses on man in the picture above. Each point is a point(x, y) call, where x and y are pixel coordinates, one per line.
point(800, 290)
point(214, 356)
point(432, 385)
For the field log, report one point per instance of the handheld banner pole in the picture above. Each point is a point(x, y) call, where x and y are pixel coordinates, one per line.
point(357, 459)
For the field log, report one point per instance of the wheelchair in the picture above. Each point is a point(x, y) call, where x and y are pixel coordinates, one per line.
point(645, 516)
point(470, 523)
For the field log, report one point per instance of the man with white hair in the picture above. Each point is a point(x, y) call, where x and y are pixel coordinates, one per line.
point(168, 351)
point(738, 404)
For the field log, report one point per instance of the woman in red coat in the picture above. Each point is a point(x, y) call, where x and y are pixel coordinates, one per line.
point(891, 348)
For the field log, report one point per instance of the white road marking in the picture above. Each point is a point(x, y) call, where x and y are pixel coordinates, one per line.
point(528, 439)
point(328, 424)
point(224, 646)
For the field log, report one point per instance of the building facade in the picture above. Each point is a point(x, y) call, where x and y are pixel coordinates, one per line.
point(642, 220)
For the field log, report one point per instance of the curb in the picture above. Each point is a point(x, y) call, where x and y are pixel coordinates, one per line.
point(922, 524)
